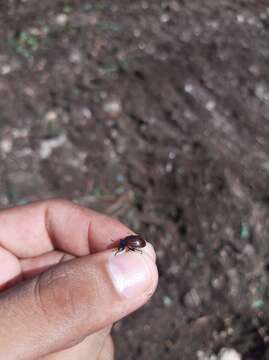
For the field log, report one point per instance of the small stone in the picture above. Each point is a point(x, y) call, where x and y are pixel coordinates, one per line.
point(75, 57)
point(257, 304)
point(114, 133)
point(234, 281)
point(240, 18)
point(244, 232)
point(249, 251)
point(266, 166)
point(229, 354)
point(169, 167)
point(51, 116)
point(61, 19)
point(188, 88)
point(167, 301)
point(254, 69)
point(210, 105)
point(165, 18)
point(5, 69)
point(262, 92)
point(29, 91)
point(113, 108)
point(218, 282)
point(202, 355)
point(35, 31)
point(192, 299)
point(171, 155)
point(86, 112)
point(47, 146)
point(137, 33)
point(20, 133)
point(6, 146)
point(120, 178)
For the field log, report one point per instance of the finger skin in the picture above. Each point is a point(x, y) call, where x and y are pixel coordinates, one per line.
point(66, 304)
point(39, 264)
point(107, 353)
point(36, 236)
point(89, 349)
point(10, 269)
point(35, 229)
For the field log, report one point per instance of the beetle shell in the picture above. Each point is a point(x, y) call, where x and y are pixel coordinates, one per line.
point(131, 242)
point(134, 241)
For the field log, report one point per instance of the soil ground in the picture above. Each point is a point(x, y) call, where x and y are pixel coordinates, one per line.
point(156, 112)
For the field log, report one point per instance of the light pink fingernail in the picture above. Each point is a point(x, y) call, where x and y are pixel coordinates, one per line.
point(130, 273)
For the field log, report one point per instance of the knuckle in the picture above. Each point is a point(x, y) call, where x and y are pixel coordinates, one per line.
point(55, 294)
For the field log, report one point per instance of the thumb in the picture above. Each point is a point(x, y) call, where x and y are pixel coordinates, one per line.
point(72, 300)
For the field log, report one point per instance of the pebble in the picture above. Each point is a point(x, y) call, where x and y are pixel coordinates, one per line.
point(167, 301)
point(6, 146)
point(75, 57)
point(210, 105)
point(188, 88)
point(218, 282)
point(51, 116)
point(257, 304)
point(168, 167)
point(137, 33)
point(113, 108)
point(262, 92)
point(201, 355)
point(192, 299)
point(20, 133)
point(171, 155)
point(229, 354)
point(87, 113)
point(234, 281)
point(245, 232)
point(47, 146)
point(120, 178)
point(5, 69)
point(240, 18)
point(249, 251)
point(61, 19)
point(164, 18)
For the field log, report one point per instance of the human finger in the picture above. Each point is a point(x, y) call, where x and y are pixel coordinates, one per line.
point(89, 348)
point(35, 229)
point(107, 352)
point(72, 300)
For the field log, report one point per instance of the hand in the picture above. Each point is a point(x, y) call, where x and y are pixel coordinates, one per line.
point(75, 288)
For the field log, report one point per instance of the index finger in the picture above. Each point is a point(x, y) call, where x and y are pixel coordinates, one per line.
point(32, 230)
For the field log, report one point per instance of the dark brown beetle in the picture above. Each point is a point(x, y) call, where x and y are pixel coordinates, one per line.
point(131, 243)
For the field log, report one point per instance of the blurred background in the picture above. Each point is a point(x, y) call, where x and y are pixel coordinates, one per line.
point(156, 112)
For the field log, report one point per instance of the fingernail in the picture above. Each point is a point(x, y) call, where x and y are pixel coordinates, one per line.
point(130, 273)
point(149, 250)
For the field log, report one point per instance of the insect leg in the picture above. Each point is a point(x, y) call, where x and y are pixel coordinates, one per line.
point(134, 249)
point(118, 251)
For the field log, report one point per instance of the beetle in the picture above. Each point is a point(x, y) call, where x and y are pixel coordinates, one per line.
point(131, 243)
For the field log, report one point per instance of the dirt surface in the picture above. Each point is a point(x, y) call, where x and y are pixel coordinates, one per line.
point(156, 112)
